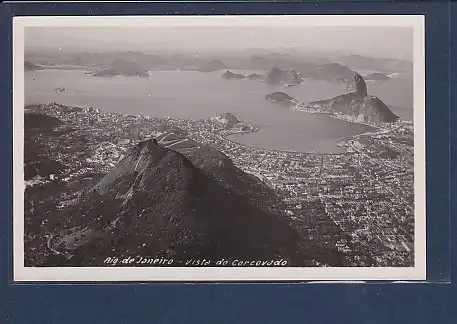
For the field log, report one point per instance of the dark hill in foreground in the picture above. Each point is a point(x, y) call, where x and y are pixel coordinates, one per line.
point(39, 122)
point(219, 167)
point(36, 160)
point(156, 203)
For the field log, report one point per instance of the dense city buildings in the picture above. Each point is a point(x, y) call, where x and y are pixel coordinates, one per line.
point(356, 207)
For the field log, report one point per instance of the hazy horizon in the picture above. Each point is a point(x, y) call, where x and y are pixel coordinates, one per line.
point(366, 40)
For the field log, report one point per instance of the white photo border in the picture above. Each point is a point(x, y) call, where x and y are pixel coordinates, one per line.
point(243, 274)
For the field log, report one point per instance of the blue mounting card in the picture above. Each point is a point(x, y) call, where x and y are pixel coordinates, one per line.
point(297, 154)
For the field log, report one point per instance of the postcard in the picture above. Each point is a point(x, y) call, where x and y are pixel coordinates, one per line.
point(219, 148)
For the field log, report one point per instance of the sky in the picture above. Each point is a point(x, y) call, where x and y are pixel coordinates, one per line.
point(390, 42)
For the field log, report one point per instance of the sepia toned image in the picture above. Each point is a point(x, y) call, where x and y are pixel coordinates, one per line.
point(219, 148)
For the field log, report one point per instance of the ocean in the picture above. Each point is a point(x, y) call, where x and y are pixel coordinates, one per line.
point(196, 95)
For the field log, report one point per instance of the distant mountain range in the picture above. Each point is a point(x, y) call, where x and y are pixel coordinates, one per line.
point(332, 72)
point(306, 66)
point(226, 119)
point(276, 76)
point(385, 65)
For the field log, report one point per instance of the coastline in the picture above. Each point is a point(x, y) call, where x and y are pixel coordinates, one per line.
point(339, 143)
point(225, 137)
point(345, 118)
point(374, 128)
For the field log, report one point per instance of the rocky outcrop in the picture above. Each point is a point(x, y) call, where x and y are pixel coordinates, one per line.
point(373, 109)
point(373, 63)
point(157, 204)
point(296, 79)
point(357, 104)
point(356, 84)
point(226, 119)
point(277, 76)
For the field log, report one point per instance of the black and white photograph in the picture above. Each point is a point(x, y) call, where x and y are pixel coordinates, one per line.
point(219, 148)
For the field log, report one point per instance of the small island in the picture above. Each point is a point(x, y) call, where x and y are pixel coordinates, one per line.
point(281, 98)
point(230, 75)
point(277, 76)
